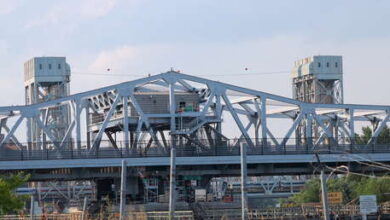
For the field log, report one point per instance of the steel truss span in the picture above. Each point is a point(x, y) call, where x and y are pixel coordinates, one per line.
point(152, 114)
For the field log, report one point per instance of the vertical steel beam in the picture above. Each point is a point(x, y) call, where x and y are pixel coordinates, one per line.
point(2, 123)
point(78, 126)
point(126, 124)
point(309, 130)
point(218, 113)
point(264, 121)
point(45, 121)
point(87, 124)
point(351, 126)
point(218, 109)
point(123, 191)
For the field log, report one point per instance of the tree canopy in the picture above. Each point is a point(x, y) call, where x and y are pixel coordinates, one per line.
point(351, 186)
point(365, 136)
point(9, 201)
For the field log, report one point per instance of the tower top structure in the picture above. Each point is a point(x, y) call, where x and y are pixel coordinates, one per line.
point(318, 79)
point(46, 70)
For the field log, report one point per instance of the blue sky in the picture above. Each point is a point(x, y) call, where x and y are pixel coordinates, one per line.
point(198, 37)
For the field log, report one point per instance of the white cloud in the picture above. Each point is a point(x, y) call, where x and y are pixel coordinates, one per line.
point(67, 13)
point(8, 6)
point(97, 8)
point(116, 59)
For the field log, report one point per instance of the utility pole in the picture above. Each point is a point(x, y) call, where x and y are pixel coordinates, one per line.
point(244, 199)
point(324, 190)
point(32, 208)
point(325, 204)
point(123, 190)
point(84, 208)
point(172, 173)
point(172, 184)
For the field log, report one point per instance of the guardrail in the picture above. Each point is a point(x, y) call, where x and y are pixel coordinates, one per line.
point(201, 148)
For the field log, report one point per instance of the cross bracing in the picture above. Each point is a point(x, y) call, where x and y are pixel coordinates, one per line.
point(187, 111)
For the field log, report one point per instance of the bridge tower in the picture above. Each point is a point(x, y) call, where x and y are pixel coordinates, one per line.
point(45, 79)
point(317, 79)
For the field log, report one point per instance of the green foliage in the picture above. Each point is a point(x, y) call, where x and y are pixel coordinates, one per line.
point(374, 186)
point(352, 186)
point(364, 137)
point(9, 201)
point(383, 137)
point(310, 192)
point(343, 185)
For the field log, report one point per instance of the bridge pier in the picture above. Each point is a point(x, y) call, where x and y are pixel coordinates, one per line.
point(111, 187)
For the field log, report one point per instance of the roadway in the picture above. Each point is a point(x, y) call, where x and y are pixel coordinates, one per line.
point(191, 161)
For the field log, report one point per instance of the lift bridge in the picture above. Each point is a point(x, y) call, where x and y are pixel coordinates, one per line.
point(151, 120)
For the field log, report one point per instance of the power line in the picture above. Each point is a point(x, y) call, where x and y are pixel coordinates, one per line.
point(376, 163)
point(359, 174)
point(371, 164)
point(110, 74)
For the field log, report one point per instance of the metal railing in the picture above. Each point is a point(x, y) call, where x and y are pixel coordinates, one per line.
point(184, 148)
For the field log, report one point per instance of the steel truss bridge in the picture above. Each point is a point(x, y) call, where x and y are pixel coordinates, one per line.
point(126, 121)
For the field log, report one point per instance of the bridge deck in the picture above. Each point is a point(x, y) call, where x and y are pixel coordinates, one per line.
point(160, 157)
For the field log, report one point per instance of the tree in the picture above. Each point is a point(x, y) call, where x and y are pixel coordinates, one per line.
point(10, 202)
point(374, 186)
point(351, 186)
point(343, 185)
point(365, 136)
point(383, 137)
point(310, 192)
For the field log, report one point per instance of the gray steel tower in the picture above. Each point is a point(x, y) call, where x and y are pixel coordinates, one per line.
point(47, 78)
point(318, 79)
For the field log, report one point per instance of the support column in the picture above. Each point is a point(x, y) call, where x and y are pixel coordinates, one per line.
point(351, 126)
point(88, 122)
point(264, 122)
point(244, 199)
point(126, 124)
point(123, 191)
point(309, 131)
point(78, 127)
point(218, 112)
